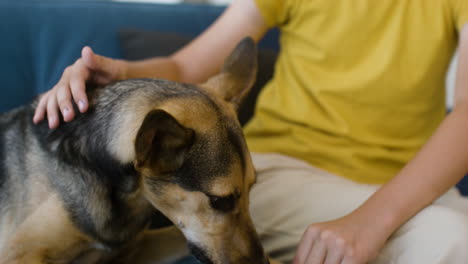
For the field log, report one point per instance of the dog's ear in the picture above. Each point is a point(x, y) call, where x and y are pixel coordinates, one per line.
point(161, 142)
point(237, 75)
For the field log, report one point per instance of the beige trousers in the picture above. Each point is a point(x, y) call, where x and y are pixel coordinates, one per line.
point(291, 194)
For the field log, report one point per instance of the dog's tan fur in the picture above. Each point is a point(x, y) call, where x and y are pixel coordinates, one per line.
point(46, 234)
point(181, 152)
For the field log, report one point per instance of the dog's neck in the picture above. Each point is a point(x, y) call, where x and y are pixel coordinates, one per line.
point(81, 149)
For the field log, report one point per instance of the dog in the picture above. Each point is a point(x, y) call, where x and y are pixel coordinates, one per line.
point(90, 187)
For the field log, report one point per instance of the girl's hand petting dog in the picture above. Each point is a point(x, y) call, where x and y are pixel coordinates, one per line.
point(348, 240)
point(72, 86)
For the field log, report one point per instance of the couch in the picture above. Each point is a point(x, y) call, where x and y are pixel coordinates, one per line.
point(42, 37)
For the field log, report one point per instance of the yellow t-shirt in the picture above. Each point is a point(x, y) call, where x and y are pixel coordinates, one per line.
point(359, 84)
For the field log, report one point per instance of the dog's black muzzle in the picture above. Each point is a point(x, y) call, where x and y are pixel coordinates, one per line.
point(199, 254)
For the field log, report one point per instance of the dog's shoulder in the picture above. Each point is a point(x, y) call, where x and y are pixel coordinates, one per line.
point(14, 126)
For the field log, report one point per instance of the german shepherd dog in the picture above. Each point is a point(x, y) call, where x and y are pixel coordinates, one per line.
point(90, 186)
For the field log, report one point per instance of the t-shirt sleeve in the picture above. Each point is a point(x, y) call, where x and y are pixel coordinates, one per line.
point(461, 13)
point(275, 12)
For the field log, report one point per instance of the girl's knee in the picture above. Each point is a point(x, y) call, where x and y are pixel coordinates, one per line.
point(436, 235)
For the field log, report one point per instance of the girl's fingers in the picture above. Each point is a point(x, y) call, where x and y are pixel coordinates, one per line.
point(52, 112)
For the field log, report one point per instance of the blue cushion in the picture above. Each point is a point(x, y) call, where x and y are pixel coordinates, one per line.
point(41, 38)
point(463, 186)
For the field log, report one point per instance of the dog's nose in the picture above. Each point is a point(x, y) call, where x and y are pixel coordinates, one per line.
point(267, 261)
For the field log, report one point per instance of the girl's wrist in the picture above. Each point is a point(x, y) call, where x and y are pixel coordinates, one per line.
point(379, 218)
point(123, 70)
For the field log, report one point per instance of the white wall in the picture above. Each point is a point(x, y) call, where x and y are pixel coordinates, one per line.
point(220, 2)
point(451, 83)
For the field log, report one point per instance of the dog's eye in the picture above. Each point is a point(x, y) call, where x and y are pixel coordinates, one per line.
point(223, 203)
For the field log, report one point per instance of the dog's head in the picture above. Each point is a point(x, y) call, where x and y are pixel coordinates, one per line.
point(196, 167)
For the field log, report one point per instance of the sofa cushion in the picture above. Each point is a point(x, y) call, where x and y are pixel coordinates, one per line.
point(41, 38)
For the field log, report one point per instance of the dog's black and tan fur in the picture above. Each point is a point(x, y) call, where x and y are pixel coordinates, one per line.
point(90, 186)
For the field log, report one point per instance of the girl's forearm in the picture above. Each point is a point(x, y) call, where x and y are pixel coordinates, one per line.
point(440, 164)
point(158, 67)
